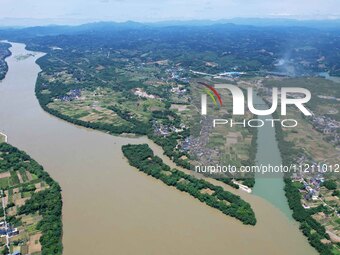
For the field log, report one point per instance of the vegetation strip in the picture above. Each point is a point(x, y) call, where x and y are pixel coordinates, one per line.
point(143, 158)
point(312, 229)
point(4, 53)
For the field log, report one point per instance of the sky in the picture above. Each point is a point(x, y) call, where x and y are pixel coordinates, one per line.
point(81, 11)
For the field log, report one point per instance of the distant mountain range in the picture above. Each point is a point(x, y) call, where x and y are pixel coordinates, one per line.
point(257, 22)
point(232, 24)
point(6, 23)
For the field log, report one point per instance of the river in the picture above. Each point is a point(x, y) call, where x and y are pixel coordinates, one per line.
point(110, 207)
point(268, 153)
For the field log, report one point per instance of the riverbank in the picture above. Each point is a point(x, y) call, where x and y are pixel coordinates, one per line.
point(3, 137)
point(31, 202)
point(4, 53)
point(312, 229)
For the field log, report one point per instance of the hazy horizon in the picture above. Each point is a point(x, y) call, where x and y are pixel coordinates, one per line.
point(75, 12)
point(27, 22)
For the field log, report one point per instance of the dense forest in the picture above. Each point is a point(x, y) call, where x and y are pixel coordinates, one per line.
point(143, 158)
point(294, 50)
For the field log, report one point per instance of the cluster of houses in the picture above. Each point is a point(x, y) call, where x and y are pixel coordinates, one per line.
point(141, 93)
point(179, 90)
point(311, 187)
point(186, 144)
point(176, 74)
point(198, 145)
point(7, 230)
point(327, 126)
point(197, 149)
point(165, 130)
point(72, 95)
